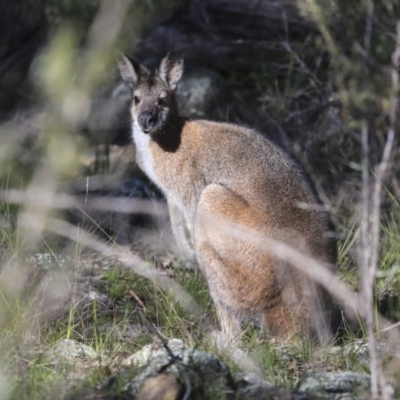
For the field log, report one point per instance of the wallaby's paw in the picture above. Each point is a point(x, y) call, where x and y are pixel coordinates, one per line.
point(218, 340)
point(224, 342)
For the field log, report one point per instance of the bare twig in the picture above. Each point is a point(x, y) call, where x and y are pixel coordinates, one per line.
point(51, 200)
point(368, 24)
point(370, 224)
point(388, 328)
point(366, 269)
point(138, 300)
point(393, 106)
point(314, 79)
point(327, 204)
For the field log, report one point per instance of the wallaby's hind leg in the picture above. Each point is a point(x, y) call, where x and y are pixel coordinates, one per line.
point(230, 324)
point(240, 277)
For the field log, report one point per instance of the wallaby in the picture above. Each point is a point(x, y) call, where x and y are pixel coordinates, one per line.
point(211, 172)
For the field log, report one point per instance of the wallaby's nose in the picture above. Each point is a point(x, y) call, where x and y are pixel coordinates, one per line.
point(146, 120)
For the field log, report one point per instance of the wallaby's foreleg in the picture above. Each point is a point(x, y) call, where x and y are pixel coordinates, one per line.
point(181, 231)
point(230, 324)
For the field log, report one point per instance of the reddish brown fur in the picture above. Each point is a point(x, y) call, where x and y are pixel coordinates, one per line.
point(213, 172)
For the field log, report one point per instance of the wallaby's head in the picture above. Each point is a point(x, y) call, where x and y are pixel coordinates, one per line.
point(154, 103)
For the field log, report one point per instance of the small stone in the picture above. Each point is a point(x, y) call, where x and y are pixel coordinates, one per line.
point(46, 260)
point(151, 351)
point(209, 377)
point(340, 385)
point(70, 350)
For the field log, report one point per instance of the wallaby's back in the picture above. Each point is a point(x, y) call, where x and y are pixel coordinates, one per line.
point(248, 164)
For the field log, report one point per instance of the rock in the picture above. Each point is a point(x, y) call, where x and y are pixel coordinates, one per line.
point(76, 358)
point(46, 261)
point(252, 387)
point(336, 385)
point(257, 392)
point(200, 374)
point(71, 351)
point(200, 93)
point(151, 351)
point(358, 347)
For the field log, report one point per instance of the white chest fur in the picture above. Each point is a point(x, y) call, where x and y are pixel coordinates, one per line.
point(143, 148)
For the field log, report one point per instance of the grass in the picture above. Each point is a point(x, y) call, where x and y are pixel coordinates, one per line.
point(25, 342)
point(134, 302)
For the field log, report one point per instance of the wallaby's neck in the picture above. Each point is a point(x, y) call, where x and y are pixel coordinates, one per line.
point(169, 137)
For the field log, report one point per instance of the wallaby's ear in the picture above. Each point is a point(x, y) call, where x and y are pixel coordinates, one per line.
point(130, 70)
point(171, 69)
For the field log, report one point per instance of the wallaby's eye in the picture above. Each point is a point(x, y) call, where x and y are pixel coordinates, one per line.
point(136, 99)
point(162, 101)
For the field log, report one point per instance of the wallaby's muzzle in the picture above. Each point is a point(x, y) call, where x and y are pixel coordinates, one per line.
point(147, 121)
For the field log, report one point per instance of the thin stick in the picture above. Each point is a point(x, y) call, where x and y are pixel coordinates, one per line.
point(51, 200)
point(366, 269)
